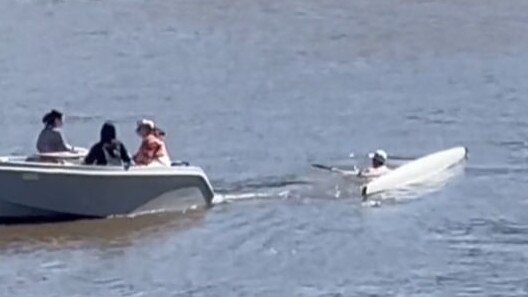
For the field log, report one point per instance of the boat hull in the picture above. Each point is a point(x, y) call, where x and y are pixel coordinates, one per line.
point(51, 190)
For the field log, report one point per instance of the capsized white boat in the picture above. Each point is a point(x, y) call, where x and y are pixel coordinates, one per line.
point(32, 190)
point(417, 171)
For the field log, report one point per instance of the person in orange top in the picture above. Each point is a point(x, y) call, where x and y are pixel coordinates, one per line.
point(152, 151)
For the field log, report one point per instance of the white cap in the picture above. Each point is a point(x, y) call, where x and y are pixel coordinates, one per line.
point(381, 154)
point(145, 122)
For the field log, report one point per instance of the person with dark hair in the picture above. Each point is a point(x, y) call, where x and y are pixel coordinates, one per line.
point(152, 151)
point(51, 139)
point(108, 151)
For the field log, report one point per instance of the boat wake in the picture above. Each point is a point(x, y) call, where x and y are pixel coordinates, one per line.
point(226, 198)
point(272, 182)
point(321, 185)
point(265, 188)
point(311, 185)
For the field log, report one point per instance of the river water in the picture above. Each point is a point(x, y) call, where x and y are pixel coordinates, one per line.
point(255, 91)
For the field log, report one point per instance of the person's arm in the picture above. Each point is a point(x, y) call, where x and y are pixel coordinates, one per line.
point(149, 150)
point(155, 151)
point(367, 173)
point(136, 157)
point(353, 172)
point(141, 156)
point(91, 157)
point(40, 142)
point(125, 157)
point(61, 143)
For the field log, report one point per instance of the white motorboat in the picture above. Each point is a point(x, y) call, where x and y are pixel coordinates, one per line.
point(33, 190)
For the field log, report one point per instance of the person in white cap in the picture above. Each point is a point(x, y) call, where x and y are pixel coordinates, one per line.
point(378, 168)
point(153, 151)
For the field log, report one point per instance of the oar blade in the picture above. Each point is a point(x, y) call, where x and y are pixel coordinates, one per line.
point(323, 167)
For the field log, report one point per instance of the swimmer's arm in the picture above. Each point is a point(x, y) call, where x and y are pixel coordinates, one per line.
point(353, 172)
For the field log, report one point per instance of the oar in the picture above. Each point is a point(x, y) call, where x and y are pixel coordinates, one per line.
point(323, 167)
point(335, 169)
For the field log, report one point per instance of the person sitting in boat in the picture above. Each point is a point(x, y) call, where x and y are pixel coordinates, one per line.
point(152, 151)
point(378, 168)
point(108, 151)
point(51, 139)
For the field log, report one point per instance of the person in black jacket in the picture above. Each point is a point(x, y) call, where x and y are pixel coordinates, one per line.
point(109, 151)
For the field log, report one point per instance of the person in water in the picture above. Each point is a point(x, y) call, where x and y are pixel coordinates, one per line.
point(108, 151)
point(152, 150)
point(51, 139)
point(378, 168)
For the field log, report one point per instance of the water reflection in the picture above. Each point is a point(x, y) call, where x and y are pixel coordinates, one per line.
point(119, 231)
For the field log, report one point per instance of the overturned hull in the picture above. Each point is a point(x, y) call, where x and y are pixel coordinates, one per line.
point(417, 171)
